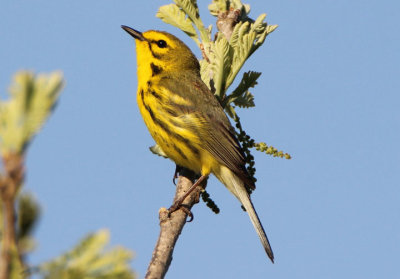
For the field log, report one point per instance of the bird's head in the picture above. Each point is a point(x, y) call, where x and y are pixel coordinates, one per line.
point(164, 50)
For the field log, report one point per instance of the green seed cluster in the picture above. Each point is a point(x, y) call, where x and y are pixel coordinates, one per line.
point(270, 150)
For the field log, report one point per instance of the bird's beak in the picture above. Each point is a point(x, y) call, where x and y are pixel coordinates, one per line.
point(133, 33)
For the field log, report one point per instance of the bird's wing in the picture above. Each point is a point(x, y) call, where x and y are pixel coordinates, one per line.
point(206, 118)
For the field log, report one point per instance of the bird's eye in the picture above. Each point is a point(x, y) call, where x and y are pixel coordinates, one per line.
point(162, 44)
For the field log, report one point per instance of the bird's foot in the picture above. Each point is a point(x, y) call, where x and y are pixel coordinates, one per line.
point(178, 205)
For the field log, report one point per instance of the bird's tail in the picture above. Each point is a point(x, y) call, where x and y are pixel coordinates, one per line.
point(236, 186)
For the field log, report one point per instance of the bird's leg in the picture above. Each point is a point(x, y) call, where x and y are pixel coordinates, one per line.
point(177, 173)
point(178, 203)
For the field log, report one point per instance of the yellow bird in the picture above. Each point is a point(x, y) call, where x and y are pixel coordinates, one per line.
point(186, 120)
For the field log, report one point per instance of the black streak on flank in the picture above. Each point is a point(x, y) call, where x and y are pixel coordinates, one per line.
point(171, 112)
point(142, 95)
point(151, 113)
point(191, 147)
point(165, 127)
point(180, 152)
point(155, 94)
point(155, 70)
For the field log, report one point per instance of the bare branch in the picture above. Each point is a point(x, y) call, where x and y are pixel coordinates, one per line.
point(171, 227)
point(10, 182)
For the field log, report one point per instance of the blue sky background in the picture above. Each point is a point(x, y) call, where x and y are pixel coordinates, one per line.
point(328, 95)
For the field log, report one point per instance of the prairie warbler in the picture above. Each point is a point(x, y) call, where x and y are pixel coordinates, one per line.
point(186, 120)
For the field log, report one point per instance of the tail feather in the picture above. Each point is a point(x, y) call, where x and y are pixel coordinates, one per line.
point(237, 187)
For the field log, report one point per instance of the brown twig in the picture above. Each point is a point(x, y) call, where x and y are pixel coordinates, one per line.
point(226, 22)
point(10, 182)
point(171, 227)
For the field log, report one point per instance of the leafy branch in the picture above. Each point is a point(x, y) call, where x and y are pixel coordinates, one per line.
point(238, 37)
point(21, 117)
point(32, 99)
point(90, 259)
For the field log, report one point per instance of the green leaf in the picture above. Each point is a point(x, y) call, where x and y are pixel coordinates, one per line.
point(32, 100)
point(173, 15)
point(218, 6)
point(234, 40)
point(28, 212)
point(221, 64)
point(190, 8)
point(89, 260)
point(245, 101)
point(242, 43)
point(259, 26)
point(271, 28)
point(16, 268)
point(205, 72)
point(247, 37)
point(192, 11)
point(248, 81)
